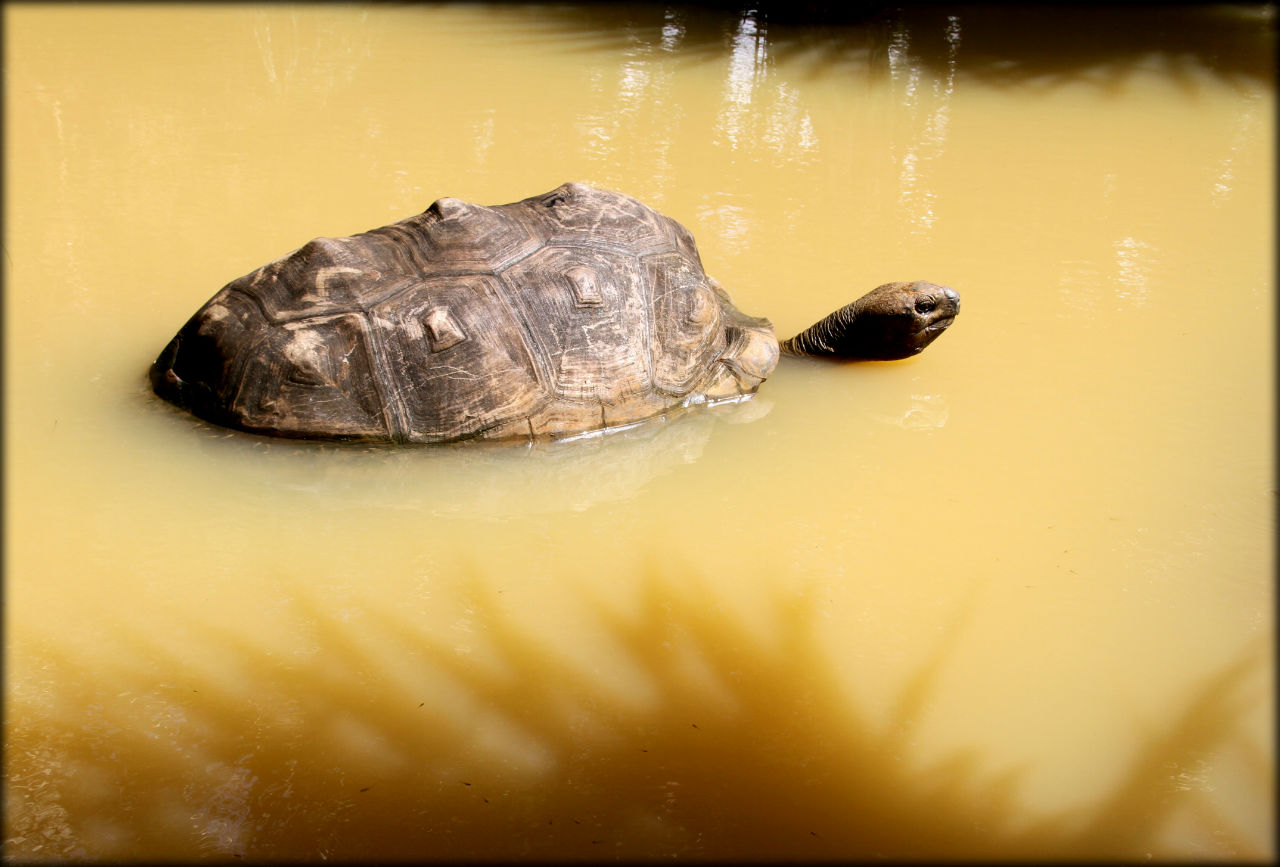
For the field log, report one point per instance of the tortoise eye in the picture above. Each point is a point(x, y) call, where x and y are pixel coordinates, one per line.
point(924, 305)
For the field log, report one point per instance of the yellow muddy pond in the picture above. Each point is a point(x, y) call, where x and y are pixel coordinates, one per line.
point(1009, 599)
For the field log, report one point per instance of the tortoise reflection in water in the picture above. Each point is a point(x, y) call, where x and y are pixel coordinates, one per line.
point(571, 312)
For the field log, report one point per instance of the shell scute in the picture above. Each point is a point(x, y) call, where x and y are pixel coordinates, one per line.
point(587, 311)
point(456, 237)
point(207, 358)
point(308, 373)
point(324, 276)
point(687, 321)
point(456, 358)
point(577, 215)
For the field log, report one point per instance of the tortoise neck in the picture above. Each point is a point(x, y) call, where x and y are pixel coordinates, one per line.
point(833, 336)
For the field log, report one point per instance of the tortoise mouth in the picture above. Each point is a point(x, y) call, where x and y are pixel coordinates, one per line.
point(940, 324)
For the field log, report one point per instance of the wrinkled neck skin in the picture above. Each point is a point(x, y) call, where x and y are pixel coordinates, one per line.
point(893, 321)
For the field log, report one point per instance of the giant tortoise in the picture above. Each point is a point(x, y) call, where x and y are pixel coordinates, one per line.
point(575, 311)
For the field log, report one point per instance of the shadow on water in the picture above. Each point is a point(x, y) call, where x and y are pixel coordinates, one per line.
point(1005, 43)
point(386, 742)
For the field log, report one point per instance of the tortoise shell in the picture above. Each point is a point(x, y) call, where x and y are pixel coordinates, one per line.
point(570, 312)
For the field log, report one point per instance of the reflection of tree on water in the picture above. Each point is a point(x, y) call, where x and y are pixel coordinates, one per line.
point(393, 744)
point(1001, 42)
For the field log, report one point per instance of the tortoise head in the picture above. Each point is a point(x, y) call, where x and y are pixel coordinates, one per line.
point(896, 320)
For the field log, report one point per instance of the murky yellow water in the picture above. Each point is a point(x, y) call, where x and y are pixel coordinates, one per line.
point(1010, 598)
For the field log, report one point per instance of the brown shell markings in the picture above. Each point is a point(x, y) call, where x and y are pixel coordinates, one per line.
point(570, 312)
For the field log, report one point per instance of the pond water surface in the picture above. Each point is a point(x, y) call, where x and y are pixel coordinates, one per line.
point(1011, 598)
